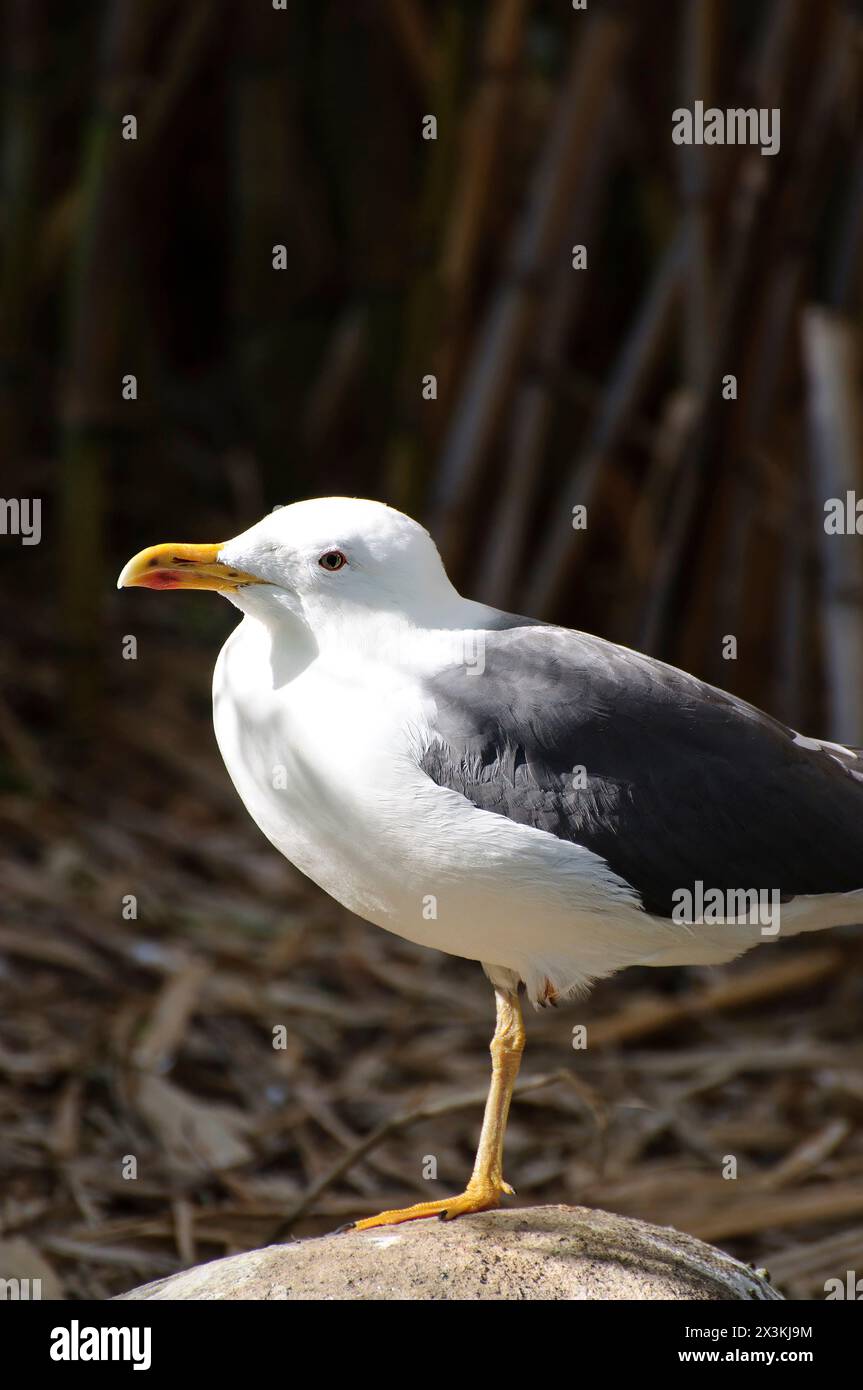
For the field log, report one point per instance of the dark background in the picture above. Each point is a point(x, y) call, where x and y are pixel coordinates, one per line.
point(151, 1037)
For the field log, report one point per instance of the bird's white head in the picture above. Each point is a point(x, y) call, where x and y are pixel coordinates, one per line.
point(327, 561)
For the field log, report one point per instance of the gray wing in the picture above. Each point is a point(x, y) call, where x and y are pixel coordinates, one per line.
point(682, 782)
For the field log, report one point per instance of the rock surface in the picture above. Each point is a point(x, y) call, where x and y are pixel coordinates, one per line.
point(530, 1253)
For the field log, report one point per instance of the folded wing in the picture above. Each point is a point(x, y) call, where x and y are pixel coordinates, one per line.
point(670, 780)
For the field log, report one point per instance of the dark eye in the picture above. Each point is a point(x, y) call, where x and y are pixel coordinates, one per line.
point(332, 560)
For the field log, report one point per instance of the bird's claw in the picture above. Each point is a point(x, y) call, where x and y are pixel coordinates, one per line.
point(477, 1197)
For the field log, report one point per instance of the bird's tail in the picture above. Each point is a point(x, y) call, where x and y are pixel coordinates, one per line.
point(715, 943)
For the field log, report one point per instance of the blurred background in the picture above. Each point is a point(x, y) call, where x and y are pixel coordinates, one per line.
point(150, 939)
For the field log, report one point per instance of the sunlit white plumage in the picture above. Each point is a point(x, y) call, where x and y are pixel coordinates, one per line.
point(326, 699)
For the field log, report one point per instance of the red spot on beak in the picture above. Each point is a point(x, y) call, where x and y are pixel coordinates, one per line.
point(161, 579)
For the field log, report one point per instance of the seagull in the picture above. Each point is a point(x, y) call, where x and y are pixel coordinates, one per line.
point(547, 803)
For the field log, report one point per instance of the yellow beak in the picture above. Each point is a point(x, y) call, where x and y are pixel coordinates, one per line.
point(177, 566)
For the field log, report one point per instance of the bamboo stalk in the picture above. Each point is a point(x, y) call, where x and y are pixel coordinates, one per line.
point(700, 36)
point(484, 129)
point(787, 690)
point(25, 131)
point(503, 339)
point(417, 424)
point(101, 295)
point(410, 27)
point(277, 198)
point(534, 406)
point(747, 595)
point(749, 220)
point(646, 342)
point(832, 355)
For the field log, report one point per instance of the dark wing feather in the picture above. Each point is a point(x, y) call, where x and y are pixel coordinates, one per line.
point(683, 781)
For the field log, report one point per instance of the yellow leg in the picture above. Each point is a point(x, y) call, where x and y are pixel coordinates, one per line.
point(486, 1185)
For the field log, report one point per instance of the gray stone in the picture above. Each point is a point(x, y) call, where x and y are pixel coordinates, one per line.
point(527, 1253)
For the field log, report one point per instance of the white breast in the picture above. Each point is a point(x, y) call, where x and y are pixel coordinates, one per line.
point(311, 759)
point(326, 763)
